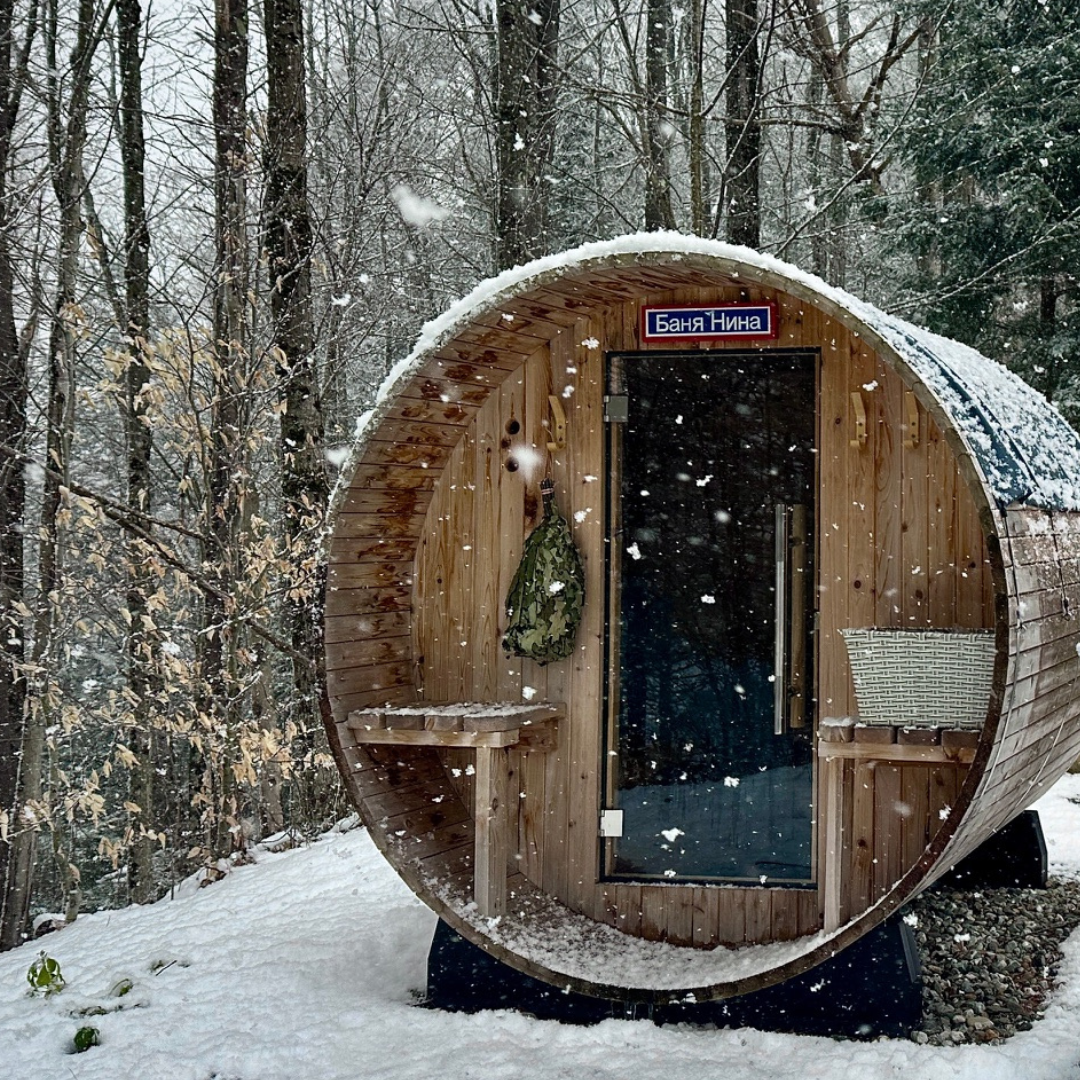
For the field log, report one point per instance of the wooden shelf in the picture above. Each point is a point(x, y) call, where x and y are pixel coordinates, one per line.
point(898, 753)
point(490, 730)
point(847, 738)
point(456, 724)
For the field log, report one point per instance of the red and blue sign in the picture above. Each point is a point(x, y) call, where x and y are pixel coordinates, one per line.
point(713, 322)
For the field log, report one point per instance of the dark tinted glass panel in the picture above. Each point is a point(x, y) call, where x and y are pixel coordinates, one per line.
point(714, 444)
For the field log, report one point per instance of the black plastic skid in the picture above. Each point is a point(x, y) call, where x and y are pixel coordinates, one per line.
point(871, 988)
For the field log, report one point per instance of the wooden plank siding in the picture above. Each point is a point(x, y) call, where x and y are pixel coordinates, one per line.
point(431, 528)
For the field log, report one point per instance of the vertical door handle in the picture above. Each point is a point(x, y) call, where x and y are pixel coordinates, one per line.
point(781, 542)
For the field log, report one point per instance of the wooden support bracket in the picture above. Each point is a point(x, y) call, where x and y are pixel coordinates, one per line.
point(858, 410)
point(488, 730)
point(558, 424)
point(912, 408)
point(832, 805)
point(492, 844)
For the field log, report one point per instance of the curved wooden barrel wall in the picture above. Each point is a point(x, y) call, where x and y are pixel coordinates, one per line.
point(429, 531)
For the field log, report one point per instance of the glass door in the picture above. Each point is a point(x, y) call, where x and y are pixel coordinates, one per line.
point(710, 596)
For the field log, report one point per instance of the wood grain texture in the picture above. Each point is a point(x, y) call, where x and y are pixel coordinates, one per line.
point(431, 529)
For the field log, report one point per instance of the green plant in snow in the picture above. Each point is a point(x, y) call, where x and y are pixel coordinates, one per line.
point(44, 976)
point(86, 1037)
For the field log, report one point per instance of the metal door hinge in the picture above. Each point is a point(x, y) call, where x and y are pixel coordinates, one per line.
point(616, 408)
point(611, 822)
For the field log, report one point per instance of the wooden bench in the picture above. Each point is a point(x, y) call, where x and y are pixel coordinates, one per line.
point(490, 731)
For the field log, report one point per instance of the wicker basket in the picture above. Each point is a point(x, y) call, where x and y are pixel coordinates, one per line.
point(922, 678)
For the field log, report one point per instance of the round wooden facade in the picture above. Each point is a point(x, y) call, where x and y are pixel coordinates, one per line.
point(931, 491)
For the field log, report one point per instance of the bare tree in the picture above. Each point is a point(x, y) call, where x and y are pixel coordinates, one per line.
point(67, 127)
point(305, 491)
point(142, 643)
point(14, 391)
point(742, 126)
point(658, 209)
point(525, 111)
point(226, 455)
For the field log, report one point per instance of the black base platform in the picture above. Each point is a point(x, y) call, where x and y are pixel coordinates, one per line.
point(1013, 858)
point(871, 988)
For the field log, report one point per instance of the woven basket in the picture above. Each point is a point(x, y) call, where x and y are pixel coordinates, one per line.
point(922, 678)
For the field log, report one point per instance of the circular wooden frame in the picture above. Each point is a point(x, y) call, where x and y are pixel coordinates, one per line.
point(1032, 728)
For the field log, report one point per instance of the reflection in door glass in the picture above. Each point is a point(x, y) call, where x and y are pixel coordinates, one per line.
point(709, 763)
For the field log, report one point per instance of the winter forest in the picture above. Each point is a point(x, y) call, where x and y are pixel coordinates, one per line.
point(222, 222)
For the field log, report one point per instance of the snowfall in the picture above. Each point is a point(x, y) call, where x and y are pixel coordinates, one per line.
point(309, 963)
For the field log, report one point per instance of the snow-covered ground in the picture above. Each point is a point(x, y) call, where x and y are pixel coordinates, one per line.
point(307, 965)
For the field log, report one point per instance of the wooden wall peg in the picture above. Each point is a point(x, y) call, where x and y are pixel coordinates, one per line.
point(911, 406)
point(858, 410)
point(558, 424)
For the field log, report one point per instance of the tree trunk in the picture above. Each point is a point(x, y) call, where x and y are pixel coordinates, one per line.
point(696, 120)
point(67, 141)
point(929, 189)
point(305, 490)
point(742, 128)
point(526, 90)
point(14, 394)
point(142, 640)
point(838, 213)
point(226, 454)
point(658, 210)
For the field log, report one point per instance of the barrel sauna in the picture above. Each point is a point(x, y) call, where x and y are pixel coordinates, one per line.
point(697, 801)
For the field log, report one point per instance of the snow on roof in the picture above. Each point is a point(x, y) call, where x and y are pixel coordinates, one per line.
point(1025, 449)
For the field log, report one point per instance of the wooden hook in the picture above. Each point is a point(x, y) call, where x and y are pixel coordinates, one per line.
point(912, 439)
point(558, 424)
point(859, 411)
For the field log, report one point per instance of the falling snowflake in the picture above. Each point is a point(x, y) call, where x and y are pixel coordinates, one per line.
point(416, 210)
point(708, 598)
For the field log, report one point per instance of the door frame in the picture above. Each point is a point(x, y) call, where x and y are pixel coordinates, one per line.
point(612, 459)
